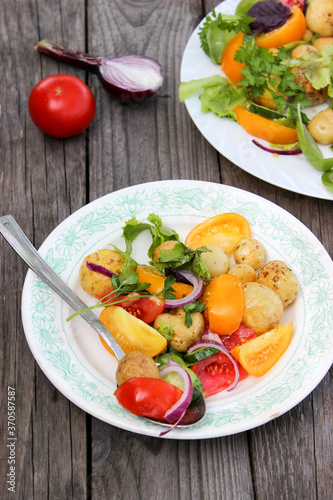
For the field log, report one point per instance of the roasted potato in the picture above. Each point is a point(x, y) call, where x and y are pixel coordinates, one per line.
point(217, 260)
point(322, 43)
point(244, 273)
point(319, 17)
point(316, 96)
point(263, 309)
point(96, 283)
point(301, 50)
point(277, 276)
point(321, 127)
point(250, 251)
point(182, 336)
point(136, 364)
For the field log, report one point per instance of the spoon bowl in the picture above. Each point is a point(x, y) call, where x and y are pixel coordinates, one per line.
point(23, 247)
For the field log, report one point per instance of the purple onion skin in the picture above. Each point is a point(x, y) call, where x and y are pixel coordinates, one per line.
point(285, 152)
point(96, 65)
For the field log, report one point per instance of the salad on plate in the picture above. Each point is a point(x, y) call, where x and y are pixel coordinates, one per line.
point(276, 60)
point(198, 319)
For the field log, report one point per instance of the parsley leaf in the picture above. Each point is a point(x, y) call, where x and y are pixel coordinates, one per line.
point(266, 70)
point(191, 308)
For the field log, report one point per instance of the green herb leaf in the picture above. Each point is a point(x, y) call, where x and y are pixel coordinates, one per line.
point(218, 30)
point(192, 308)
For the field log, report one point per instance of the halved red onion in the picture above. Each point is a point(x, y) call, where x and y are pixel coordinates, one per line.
point(295, 151)
point(99, 269)
point(177, 411)
point(208, 335)
point(202, 344)
point(196, 292)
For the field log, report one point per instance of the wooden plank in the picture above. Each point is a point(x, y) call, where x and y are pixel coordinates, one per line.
point(42, 180)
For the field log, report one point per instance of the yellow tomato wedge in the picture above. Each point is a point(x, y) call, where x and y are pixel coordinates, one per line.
point(225, 230)
point(231, 68)
point(259, 355)
point(131, 333)
point(149, 274)
point(292, 31)
point(225, 304)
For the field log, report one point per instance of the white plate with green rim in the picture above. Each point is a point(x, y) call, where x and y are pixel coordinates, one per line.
point(73, 358)
point(293, 173)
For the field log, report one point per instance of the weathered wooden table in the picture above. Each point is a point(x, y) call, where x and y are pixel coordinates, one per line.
point(62, 452)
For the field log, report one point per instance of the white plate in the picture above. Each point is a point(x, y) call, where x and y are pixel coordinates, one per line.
point(289, 172)
point(72, 357)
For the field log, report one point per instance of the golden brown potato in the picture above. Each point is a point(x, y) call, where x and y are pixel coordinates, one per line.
point(277, 276)
point(250, 251)
point(316, 96)
point(217, 260)
point(244, 273)
point(166, 245)
point(319, 17)
point(182, 336)
point(308, 35)
point(266, 98)
point(322, 43)
point(136, 364)
point(263, 309)
point(321, 127)
point(301, 50)
point(96, 283)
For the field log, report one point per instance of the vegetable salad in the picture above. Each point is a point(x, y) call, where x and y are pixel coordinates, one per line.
point(272, 67)
point(201, 316)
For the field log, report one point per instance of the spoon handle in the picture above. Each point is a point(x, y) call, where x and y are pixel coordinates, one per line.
point(22, 246)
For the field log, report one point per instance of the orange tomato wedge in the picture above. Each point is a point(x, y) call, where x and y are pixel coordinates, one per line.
point(231, 68)
point(131, 333)
point(259, 355)
point(225, 304)
point(226, 230)
point(292, 31)
point(149, 274)
point(265, 128)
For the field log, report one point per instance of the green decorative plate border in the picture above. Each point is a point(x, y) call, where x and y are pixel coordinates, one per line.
point(53, 341)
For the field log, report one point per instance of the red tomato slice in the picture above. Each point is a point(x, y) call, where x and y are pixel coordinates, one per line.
point(147, 397)
point(216, 373)
point(239, 337)
point(145, 308)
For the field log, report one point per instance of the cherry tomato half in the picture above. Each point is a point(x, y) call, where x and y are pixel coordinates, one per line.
point(239, 337)
point(61, 106)
point(225, 304)
point(259, 355)
point(292, 31)
point(147, 397)
point(145, 308)
point(216, 373)
point(131, 333)
point(225, 229)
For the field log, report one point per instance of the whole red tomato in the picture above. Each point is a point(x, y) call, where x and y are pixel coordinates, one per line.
point(62, 106)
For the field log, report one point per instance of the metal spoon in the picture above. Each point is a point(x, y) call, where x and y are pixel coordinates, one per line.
point(22, 246)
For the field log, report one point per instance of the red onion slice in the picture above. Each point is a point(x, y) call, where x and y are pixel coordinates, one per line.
point(202, 344)
point(99, 269)
point(196, 292)
point(296, 151)
point(177, 411)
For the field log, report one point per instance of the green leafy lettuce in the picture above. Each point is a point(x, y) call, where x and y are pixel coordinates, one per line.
point(218, 30)
point(218, 95)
